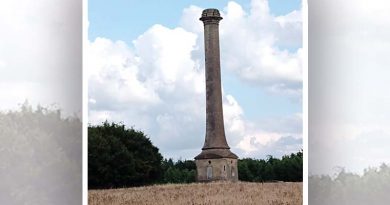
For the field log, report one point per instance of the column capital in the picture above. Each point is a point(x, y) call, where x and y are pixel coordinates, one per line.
point(210, 16)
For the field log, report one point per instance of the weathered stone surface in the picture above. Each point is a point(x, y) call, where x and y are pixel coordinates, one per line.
point(216, 169)
point(215, 147)
point(210, 16)
point(214, 153)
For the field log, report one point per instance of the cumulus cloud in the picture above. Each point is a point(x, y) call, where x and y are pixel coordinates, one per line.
point(156, 83)
point(255, 46)
point(260, 48)
point(253, 138)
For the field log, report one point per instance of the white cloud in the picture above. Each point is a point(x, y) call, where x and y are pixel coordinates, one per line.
point(253, 136)
point(293, 18)
point(260, 48)
point(254, 45)
point(154, 85)
point(114, 75)
point(189, 18)
point(157, 84)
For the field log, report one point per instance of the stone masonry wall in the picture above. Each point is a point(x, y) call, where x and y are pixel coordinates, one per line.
point(216, 169)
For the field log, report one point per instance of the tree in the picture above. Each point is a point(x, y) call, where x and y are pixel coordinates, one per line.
point(179, 172)
point(289, 168)
point(121, 157)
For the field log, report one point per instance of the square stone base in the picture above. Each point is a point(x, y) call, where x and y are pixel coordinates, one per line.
point(224, 169)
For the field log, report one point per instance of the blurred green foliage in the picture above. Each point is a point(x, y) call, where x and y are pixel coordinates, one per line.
point(347, 188)
point(40, 157)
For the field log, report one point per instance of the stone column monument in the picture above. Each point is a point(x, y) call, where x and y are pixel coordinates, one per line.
point(216, 161)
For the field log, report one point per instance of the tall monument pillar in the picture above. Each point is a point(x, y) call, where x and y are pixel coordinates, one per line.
point(216, 161)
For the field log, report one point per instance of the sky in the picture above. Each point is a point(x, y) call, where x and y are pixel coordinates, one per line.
point(40, 54)
point(145, 67)
point(349, 101)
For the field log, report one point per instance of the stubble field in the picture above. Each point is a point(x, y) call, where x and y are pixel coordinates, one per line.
point(286, 193)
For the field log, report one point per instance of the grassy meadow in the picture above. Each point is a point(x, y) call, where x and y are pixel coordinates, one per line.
point(286, 193)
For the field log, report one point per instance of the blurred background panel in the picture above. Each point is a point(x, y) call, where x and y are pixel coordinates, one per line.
point(349, 102)
point(40, 102)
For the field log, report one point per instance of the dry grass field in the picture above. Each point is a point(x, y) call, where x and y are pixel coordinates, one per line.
point(286, 193)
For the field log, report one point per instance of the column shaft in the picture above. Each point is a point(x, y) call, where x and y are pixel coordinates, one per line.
point(215, 132)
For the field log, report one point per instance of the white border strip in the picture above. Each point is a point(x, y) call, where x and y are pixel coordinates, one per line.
point(85, 101)
point(305, 93)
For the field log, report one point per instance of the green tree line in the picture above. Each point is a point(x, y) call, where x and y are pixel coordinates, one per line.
point(123, 157)
point(289, 168)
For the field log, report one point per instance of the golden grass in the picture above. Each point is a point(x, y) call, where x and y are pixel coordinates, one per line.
point(286, 193)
